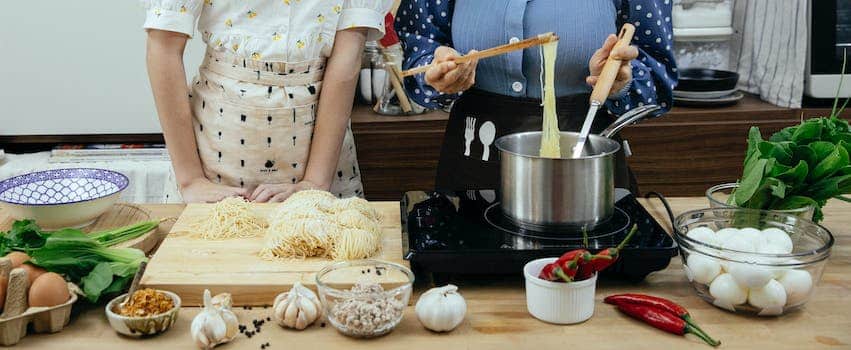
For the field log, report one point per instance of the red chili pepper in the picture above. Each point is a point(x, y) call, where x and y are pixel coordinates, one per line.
point(552, 272)
point(606, 257)
point(652, 301)
point(664, 320)
point(571, 255)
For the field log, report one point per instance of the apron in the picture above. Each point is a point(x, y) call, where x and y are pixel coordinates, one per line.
point(254, 122)
point(469, 159)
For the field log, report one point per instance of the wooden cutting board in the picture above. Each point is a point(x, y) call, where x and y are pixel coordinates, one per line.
point(186, 264)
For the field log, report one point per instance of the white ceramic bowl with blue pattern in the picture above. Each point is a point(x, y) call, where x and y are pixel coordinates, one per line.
point(61, 198)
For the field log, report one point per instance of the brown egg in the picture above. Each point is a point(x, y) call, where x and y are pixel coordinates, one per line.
point(4, 283)
point(50, 289)
point(33, 271)
point(17, 258)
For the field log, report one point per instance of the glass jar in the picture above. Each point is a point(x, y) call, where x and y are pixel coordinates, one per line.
point(719, 197)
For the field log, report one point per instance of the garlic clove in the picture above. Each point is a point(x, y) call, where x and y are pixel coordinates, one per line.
point(223, 301)
point(308, 309)
point(291, 314)
point(301, 321)
point(231, 323)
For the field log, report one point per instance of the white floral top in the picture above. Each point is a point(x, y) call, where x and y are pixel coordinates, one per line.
point(268, 30)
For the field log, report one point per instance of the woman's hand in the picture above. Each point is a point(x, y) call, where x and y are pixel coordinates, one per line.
point(449, 77)
point(598, 60)
point(202, 190)
point(276, 193)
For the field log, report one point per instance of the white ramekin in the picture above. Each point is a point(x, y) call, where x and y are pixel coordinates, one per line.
point(558, 302)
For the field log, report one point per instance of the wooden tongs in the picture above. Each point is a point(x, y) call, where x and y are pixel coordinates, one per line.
point(494, 51)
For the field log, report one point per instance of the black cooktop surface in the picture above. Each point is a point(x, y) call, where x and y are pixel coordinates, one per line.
point(465, 232)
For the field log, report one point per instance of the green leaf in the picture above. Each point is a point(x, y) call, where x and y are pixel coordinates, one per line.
point(777, 150)
point(791, 175)
point(118, 285)
point(822, 149)
point(807, 131)
point(750, 182)
point(767, 193)
point(830, 187)
point(25, 234)
point(754, 138)
point(97, 281)
point(806, 154)
point(794, 202)
point(123, 269)
point(837, 159)
point(777, 187)
point(783, 135)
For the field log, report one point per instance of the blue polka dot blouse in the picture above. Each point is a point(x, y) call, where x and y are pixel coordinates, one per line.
point(582, 26)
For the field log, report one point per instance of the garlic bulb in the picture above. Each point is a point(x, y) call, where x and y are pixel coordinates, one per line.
point(216, 324)
point(297, 308)
point(441, 309)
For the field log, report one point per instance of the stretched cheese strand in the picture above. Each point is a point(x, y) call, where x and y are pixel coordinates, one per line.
point(550, 135)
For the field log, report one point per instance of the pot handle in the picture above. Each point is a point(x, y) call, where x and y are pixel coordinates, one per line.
point(629, 118)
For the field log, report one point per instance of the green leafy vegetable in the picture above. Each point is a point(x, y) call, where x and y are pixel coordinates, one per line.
point(86, 260)
point(800, 166)
point(97, 281)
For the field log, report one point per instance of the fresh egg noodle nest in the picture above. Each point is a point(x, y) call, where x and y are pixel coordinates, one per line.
point(230, 218)
point(315, 224)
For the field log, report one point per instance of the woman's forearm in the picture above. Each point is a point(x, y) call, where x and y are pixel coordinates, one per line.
point(335, 106)
point(171, 94)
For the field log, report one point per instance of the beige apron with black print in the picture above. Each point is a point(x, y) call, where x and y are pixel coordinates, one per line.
point(254, 122)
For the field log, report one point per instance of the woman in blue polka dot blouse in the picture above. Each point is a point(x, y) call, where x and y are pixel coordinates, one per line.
point(501, 95)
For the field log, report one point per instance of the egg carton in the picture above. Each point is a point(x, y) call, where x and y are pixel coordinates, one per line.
point(17, 315)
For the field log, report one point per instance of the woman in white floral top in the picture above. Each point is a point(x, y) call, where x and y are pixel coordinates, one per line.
point(268, 113)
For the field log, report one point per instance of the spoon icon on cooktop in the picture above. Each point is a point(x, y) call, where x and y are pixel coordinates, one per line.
point(487, 132)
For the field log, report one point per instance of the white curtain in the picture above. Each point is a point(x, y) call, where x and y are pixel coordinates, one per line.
point(769, 49)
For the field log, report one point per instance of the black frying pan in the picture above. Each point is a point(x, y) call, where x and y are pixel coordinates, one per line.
point(699, 79)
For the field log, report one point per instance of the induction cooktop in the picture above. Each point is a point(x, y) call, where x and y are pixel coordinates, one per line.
point(465, 232)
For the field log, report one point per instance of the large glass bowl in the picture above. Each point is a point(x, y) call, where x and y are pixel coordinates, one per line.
point(797, 272)
point(719, 197)
point(359, 314)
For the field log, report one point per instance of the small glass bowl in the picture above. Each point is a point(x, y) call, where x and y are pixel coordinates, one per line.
point(797, 272)
point(719, 196)
point(352, 313)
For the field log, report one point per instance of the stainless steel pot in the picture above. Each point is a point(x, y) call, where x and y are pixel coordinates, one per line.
point(545, 193)
point(539, 192)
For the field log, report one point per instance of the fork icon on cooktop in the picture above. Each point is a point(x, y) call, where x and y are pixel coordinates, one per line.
point(469, 134)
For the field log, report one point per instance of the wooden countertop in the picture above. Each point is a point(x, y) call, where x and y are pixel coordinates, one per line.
point(497, 316)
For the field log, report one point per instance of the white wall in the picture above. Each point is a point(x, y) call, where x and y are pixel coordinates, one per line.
point(76, 67)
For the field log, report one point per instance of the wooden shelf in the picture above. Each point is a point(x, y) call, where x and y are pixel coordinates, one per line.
point(679, 154)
